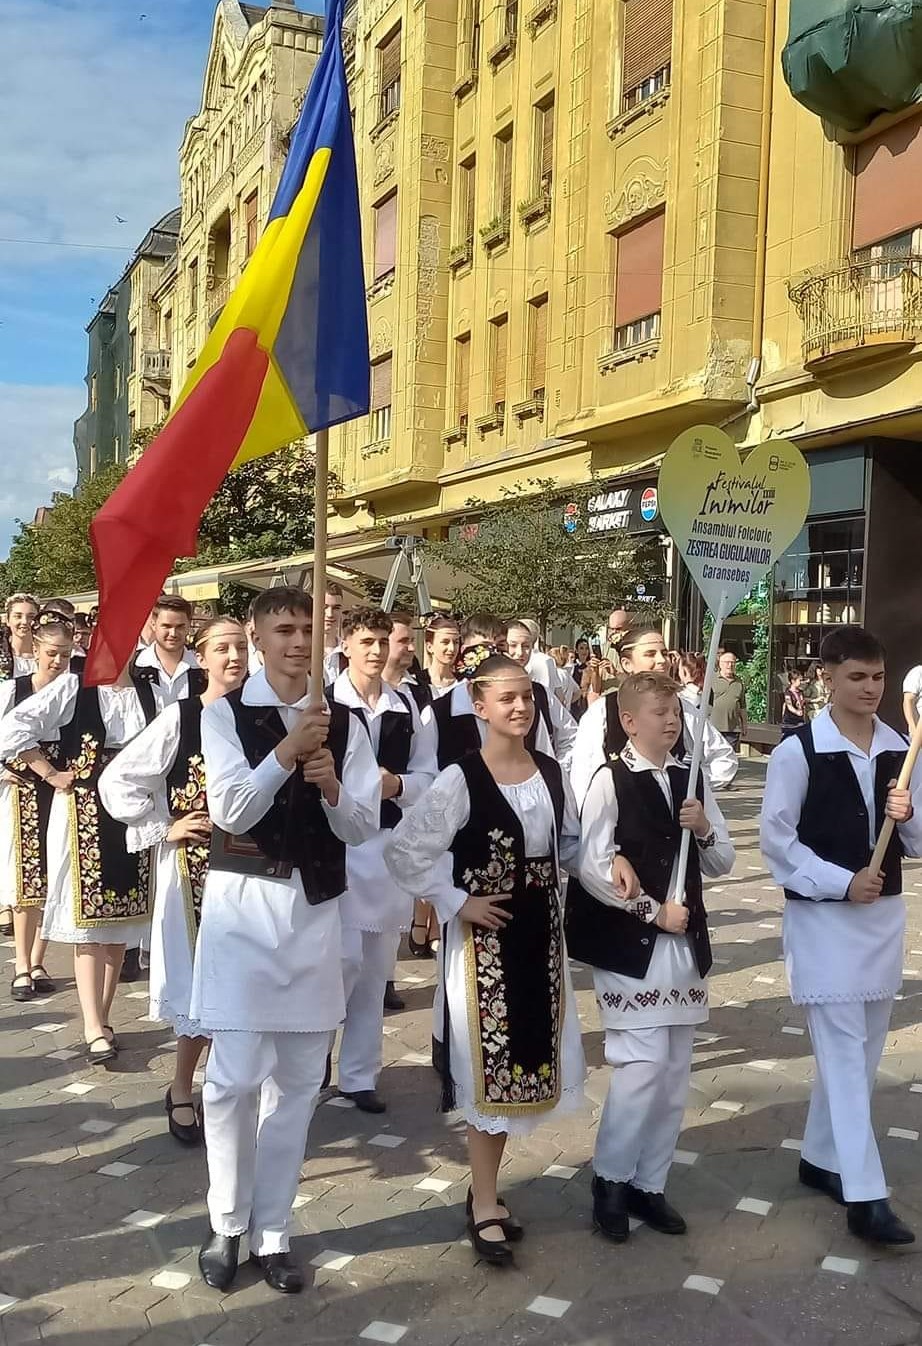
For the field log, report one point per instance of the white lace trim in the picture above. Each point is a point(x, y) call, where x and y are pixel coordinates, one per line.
point(841, 997)
point(182, 1025)
point(571, 1100)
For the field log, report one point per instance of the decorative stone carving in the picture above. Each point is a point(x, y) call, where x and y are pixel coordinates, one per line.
point(384, 159)
point(427, 276)
point(432, 147)
point(382, 339)
point(642, 192)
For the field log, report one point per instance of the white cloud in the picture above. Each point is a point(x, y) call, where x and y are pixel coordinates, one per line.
point(36, 449)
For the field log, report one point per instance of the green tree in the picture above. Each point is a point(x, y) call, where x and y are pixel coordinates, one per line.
point(515, 556)
point(55, 557)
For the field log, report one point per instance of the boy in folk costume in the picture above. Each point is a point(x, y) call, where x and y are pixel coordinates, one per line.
point(828, 789)
point(650, 955)
point(289, 786)
point(375, 908)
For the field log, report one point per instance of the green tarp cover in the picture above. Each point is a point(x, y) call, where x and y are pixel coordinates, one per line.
point(848, 60)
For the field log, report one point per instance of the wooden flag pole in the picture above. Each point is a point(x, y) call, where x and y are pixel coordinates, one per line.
point(698, 740)
point(321, 483)
point(902, 783)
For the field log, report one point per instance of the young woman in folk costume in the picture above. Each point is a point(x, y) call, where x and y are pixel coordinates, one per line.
point(484, 845)
point(17, 658)
point(157, 788)
point(25, 803)
point(98, 894)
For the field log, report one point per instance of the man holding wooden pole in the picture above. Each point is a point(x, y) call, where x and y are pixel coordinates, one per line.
point(833, 789)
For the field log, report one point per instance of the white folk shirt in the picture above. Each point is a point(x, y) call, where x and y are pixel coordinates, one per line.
point(373, 900)
point(719, 761)
point(169, 687)
point(673, 991)
point(562, 722)
point(266, 960)
point(835, 951)
point(912, 686)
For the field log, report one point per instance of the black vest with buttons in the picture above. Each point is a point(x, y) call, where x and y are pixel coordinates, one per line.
point(459, 734)
point(616, 738)
point(648, 835)
point(295, 828)
point(395, 740)
point(834, 818)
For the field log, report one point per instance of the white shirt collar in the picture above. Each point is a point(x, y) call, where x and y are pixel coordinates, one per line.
point(345, 693)
point(149, 658)
point(258, 691)
point(634, 761)
point(461, 703)
point(828, 738)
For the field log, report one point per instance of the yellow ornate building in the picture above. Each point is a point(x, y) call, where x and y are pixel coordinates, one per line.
point(259, 64)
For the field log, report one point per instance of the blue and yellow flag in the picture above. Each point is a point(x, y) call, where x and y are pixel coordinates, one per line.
point(287, 356)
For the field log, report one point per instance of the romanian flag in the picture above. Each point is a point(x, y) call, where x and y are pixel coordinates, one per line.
point(287, 356)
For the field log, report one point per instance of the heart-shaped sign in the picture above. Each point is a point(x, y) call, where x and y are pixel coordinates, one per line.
point(730, 520)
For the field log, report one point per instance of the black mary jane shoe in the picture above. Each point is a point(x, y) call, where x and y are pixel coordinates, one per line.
point(821, 1180)
point(280, 1272)
point(113, 1040)
point(512, 1228)
point(877, 1222)
point(419, 948)
point(41, 982)
point(21, 987)
point(108, 1053)
point(187, 1133)
point(217, 1260)
point(392, 1001)
point(655, 1211)
point(496, 1252)
point(6, 921)
point(609, 1208)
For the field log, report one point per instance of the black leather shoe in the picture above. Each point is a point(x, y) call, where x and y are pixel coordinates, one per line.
point(512, 1228)
point(609, 1208)
point(6, 921)
point(655, 1210)
point(876, 1222)
point(438, 1057)
point(185, 1132)
point(821, 1180)
point(280, 1272)
point(392, 1000)
point(495, 1251)
point(366, 1100)
point(131, 966)
point(217, 1260)
point(21, 987)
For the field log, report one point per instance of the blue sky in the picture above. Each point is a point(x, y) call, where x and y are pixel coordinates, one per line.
point(93, 104)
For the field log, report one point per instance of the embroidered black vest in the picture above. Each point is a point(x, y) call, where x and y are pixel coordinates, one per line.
point(476, 850)
point(616, 738)
point(395, 740)
point(185, 775)
point(83, 740)
point(295, 827)
point(648, 835)
point(459, 734)
point(145, 678)
point(834, 818)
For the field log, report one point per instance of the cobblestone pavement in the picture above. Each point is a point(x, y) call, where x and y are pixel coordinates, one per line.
point(101, 1212)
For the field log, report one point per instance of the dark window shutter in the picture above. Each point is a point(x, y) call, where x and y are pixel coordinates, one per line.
point(500, 353)
point(462, 375)
point(646, 40)
point(538, 352)
point(888, 184)
point(381, 378)
point(386, 237)
point(639, 280)
point(547, 146)
point(389, 54)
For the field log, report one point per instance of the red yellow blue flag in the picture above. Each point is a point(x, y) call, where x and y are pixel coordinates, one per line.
point(287, 356)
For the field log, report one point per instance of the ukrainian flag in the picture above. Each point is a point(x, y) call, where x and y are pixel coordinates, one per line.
point(287, 356)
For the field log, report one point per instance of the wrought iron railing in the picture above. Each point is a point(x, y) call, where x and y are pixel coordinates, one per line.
point(857, 303)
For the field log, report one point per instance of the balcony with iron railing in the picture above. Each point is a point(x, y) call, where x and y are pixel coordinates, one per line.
point(859, 308)
point(216, 296)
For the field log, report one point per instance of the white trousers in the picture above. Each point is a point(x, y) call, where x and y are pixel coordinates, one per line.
point(642, 1116)
point(438, 999)
point(260, 1093)
point(848, 1040)
point(368, 965)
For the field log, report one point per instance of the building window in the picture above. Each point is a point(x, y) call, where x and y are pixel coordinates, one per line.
point(193, 287)
point(536, 370)
point(502, 175)
point(132, 346)
point(499, 352)
point(389, 75)
point(93, 392)
point(544, 147)
point(385, 237)
point(467, 184)
point(646, 48)
point(470, 37)
point(168, 329)
point(118, 380)
point(250, 223)
point(888, 185)
point(510, 17)
point(381, 384)
point(462, 379)
point(639, 282)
